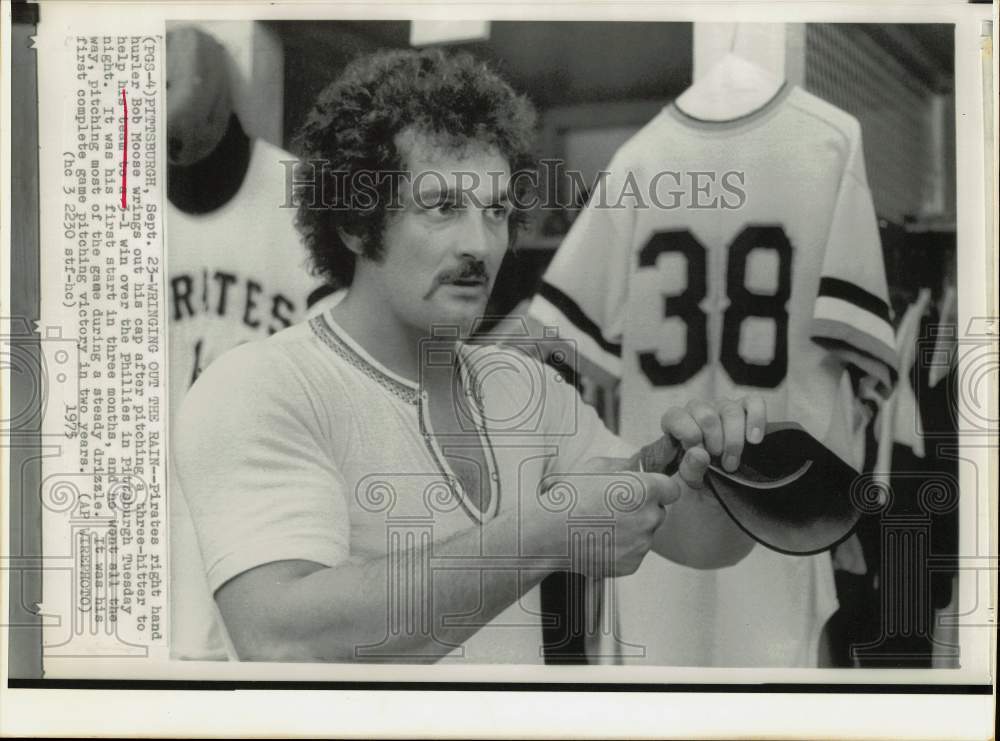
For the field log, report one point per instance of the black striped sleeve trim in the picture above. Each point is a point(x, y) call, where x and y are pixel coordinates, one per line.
point(568, 308)
point(837, 288)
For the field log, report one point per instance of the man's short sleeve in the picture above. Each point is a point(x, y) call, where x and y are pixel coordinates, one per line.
point(259, 482)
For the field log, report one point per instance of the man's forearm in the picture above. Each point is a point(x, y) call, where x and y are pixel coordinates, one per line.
point(394, 608)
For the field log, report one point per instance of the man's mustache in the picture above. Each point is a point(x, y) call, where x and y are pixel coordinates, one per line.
point(469, 270)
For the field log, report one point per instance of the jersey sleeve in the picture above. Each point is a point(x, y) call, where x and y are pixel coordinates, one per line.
point(256, 477)
point(584, 290)
point(851, 313)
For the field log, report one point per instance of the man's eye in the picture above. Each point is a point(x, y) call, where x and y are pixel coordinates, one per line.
point(446, 207)
point(498, 212)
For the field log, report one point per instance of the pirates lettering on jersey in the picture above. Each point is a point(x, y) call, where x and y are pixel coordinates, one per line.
point(224, 298)
point(225, 294)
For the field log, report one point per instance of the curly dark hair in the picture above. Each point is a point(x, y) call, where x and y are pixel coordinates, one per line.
point(352, 129)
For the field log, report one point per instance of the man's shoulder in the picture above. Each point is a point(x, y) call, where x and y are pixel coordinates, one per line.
point(264, 355)
point(517, 373)
point(527, 353)
point(540, 357)
point(284, 365)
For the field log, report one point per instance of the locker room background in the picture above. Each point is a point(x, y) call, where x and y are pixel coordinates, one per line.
point(897, 80)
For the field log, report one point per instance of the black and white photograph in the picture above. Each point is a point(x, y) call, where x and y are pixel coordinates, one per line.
point(568, 363)
point(470, 274)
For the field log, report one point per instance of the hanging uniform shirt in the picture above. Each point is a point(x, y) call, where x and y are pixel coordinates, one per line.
point(305, 447)
point(716, 260)
point(236, 274)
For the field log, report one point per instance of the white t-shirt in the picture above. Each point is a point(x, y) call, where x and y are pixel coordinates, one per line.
point(744, 258)
point(303, 446)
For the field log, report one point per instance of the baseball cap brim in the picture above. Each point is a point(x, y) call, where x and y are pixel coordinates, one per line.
point(790, 492)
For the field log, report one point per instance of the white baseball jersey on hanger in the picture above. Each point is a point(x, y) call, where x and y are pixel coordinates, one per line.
point(720, 259)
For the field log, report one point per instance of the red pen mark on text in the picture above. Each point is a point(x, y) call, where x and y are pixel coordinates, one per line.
point(124, 149)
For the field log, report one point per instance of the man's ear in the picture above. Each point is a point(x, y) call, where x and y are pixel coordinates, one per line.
point(352, 241)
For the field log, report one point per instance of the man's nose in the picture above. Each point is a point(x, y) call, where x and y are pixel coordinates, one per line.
point(476, 238)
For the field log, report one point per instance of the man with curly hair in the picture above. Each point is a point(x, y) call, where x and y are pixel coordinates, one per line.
point(368, 486)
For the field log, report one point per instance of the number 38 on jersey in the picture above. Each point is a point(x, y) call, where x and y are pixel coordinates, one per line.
point(767, 249)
